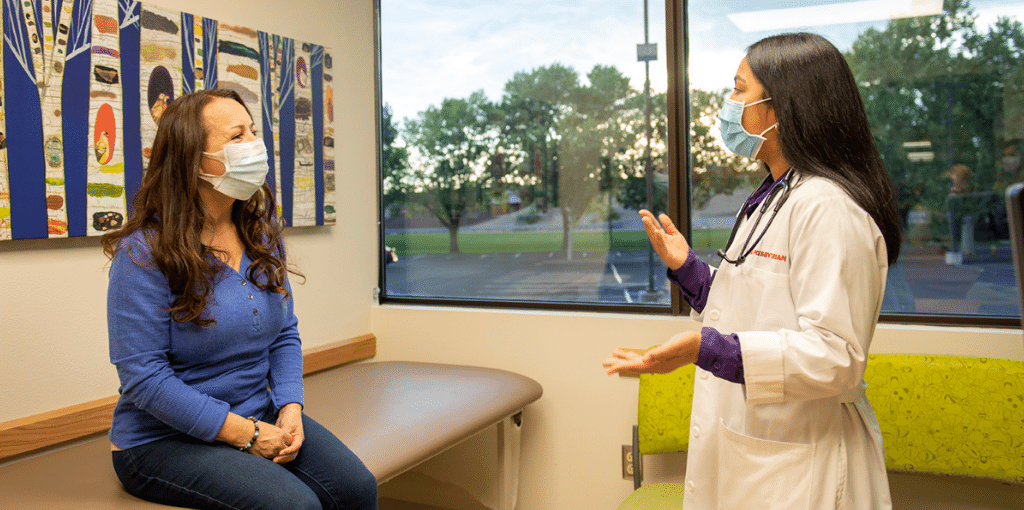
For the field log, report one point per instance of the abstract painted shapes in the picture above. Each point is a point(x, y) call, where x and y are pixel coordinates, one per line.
point(5, 188)
point(106, 201)
point(104, 74)
point(238, 65)
point(129, 13)
point(330, 216)
point(197, 56)
point(193, 64)
point(275, 78)
point(78, 156)
point(104, 24)
point(104, 221)
point(49, 62)
point(303, 184)
point(105, 133)
point(159, 69)
point(159, 92)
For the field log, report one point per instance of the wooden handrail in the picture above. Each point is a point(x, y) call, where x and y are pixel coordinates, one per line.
point(50, 428)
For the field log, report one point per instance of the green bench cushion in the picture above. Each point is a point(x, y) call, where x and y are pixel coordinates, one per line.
point(655, 496)
point(663, 411)
point(951, 415)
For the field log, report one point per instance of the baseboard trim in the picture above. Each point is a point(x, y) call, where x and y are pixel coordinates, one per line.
point(31, 433)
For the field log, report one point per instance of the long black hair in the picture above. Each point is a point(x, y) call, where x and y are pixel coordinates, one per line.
point(823, 128)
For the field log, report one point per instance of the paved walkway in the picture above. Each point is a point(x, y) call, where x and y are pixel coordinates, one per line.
point(921, 282)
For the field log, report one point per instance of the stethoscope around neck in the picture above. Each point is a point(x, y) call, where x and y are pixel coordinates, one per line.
point(782, 185)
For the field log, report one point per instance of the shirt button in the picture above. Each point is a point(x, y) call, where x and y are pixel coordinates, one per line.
point(250, 296)
point(703, 374)
point(689, 486)
point(714, 315)
point(696, 431)
point(243, 282)
point(254, 312)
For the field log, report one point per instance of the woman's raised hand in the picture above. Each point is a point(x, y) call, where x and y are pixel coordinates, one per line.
point(670, 245)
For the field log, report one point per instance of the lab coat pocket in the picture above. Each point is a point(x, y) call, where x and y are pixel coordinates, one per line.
point(759, 473)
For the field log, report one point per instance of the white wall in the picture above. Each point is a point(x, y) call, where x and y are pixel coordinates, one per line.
point(53, 328)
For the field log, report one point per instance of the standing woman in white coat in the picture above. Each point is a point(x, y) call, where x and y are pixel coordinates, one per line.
point(780, 419)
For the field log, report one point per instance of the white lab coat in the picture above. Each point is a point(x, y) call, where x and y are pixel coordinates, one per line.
point(799, 434)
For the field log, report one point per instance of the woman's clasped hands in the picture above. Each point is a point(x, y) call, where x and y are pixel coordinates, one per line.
point(281, 442)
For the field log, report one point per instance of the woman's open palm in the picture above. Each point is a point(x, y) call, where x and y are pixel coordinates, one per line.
point(666, 239)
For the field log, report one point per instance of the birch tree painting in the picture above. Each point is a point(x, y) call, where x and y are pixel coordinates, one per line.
point(70, 70)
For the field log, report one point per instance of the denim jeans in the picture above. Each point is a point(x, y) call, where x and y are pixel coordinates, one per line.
point(184, 471)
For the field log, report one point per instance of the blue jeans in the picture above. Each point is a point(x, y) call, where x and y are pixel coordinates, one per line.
point(184, 471)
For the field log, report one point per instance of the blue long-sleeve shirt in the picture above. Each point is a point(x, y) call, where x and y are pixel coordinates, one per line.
point(183, 378)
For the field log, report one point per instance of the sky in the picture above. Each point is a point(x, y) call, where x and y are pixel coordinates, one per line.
point(436, 49)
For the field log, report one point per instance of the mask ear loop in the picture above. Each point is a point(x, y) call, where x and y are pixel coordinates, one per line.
point(759, 101)
point(769, 127)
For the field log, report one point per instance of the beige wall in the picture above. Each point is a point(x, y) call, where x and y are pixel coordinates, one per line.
point(53, 328)
point(53, 317)
point(572, 435)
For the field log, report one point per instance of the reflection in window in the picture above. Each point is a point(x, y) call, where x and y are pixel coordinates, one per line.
point(518, 144)
point(943, 86)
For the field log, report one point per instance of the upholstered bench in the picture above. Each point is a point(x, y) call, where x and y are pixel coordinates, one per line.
point(393, 415)
point(950, 415)
point(940, 415)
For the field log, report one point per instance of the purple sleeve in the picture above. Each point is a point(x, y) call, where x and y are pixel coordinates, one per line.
point(694, 279)
point(720, 354)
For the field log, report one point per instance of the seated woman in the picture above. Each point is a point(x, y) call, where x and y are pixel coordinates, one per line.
point(203, 333)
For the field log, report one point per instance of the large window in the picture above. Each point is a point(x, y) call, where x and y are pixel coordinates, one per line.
point(517, 145)
point(519, 140)
point(943, 85)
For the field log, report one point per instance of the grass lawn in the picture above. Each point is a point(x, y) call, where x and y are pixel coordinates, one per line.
point(520, 242)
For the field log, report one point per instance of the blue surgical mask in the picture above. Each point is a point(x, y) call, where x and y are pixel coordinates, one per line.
point(734, 136)
point(245, 169)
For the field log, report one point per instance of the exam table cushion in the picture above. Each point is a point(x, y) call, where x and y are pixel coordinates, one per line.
point(392, 414)
point(397, 414)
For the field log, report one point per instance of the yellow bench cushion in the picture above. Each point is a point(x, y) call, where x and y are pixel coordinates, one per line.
point(655, 496)
point(663, 411)
point(952, 415)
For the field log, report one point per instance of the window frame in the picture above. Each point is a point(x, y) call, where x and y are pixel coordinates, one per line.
point(679, 168)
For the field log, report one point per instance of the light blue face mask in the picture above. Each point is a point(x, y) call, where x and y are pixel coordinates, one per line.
point(734, 136)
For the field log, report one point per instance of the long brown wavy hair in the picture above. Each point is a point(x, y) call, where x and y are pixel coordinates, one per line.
point(170, 212)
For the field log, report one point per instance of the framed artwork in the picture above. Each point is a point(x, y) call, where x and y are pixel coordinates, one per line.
point(83, 84)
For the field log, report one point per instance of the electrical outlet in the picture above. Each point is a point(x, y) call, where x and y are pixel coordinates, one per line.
point(627, 462)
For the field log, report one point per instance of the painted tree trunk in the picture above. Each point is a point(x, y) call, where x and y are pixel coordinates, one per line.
point(106, 208)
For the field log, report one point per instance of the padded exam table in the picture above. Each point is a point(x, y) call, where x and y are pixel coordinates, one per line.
point(392, 414)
